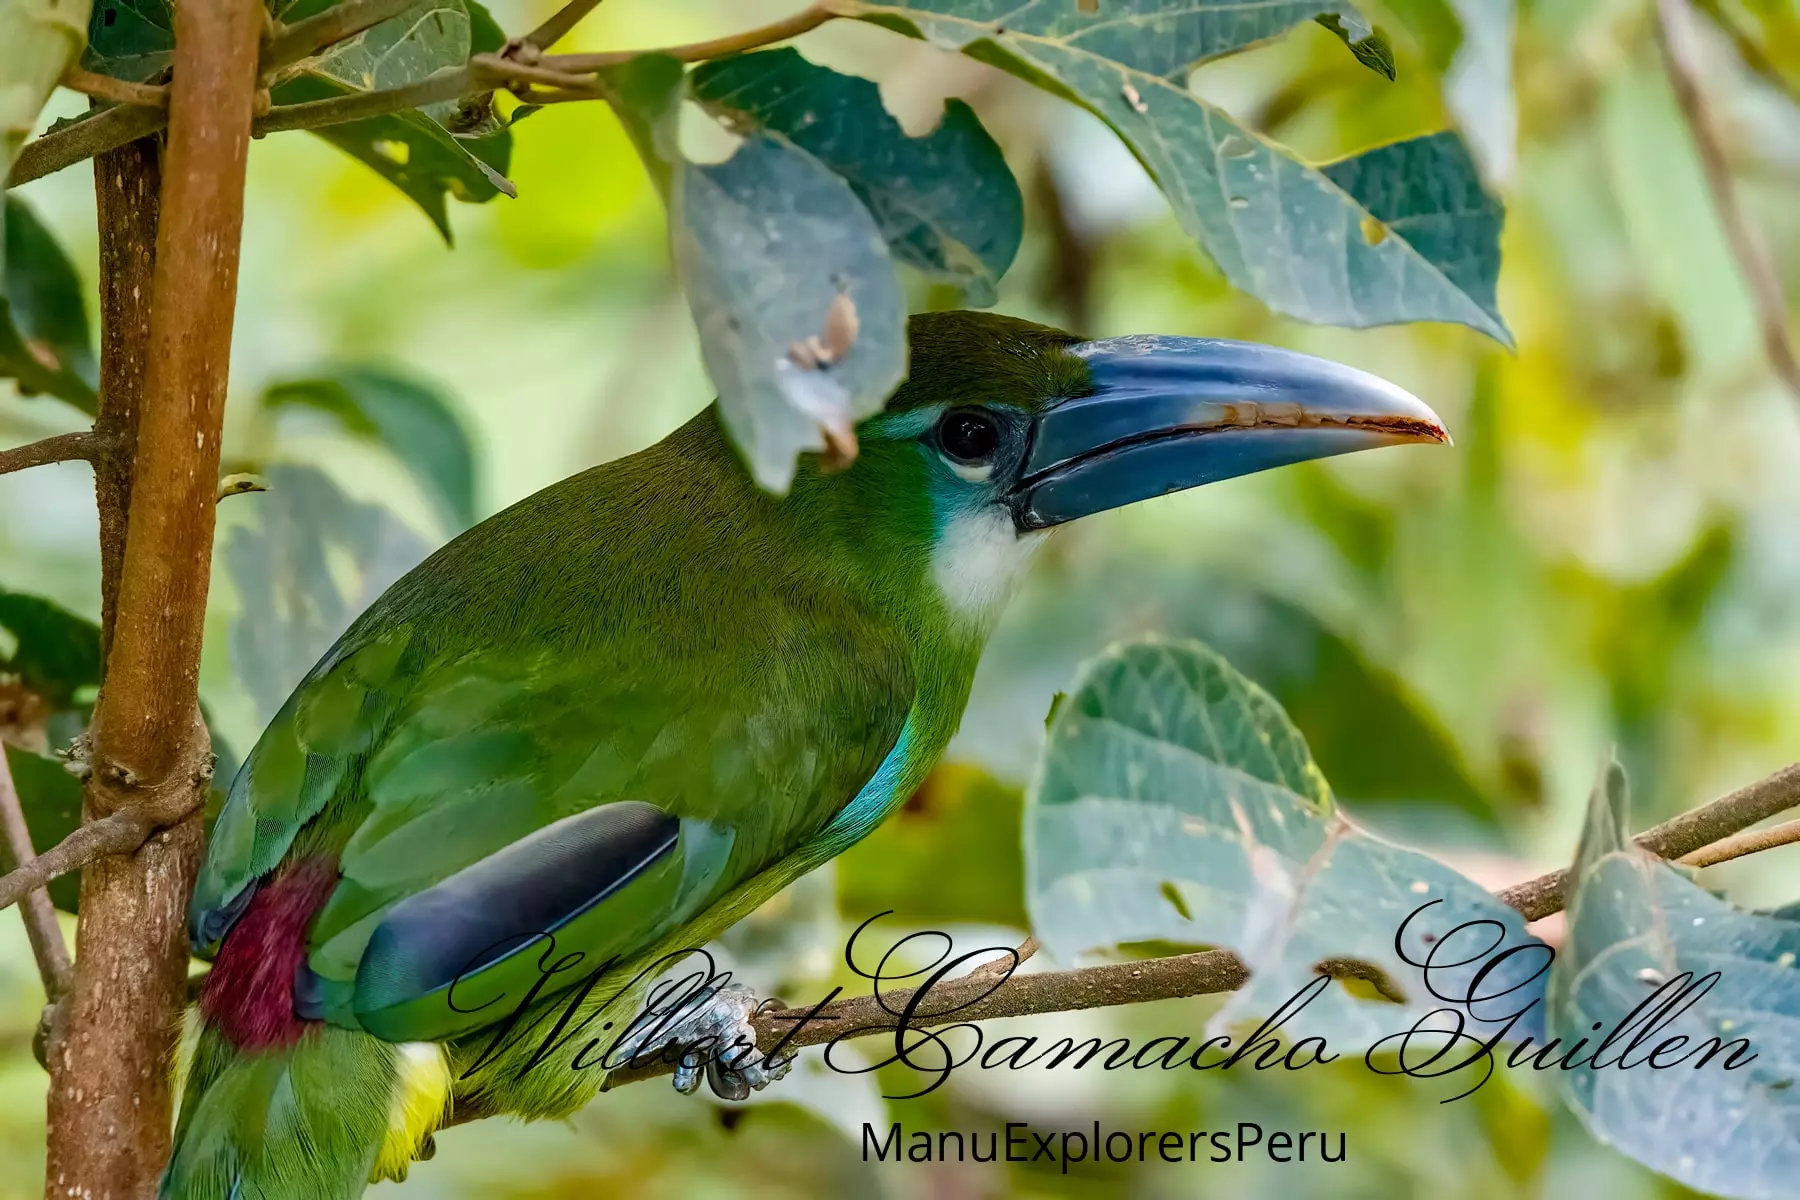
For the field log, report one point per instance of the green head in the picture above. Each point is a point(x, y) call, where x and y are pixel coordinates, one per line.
point(1005, 429)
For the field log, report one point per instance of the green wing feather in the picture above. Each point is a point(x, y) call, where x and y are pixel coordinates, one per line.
point(579, 649)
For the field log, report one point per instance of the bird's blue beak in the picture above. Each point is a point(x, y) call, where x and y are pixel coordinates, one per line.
point(1169, 413)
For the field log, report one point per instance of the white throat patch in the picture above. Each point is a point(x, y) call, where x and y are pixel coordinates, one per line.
point(980, 559)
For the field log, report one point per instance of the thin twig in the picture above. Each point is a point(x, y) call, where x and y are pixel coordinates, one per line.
point(84, 139)
point(555, 27)
point(1738, 845)
point(41, 928)
point(569, 74)
point(1672, 839)
point(120, 833)
point(302, 39)
point(765, 35)
point(1209, 971)
point(1675, 31)
point(119, 91)
point(1753, 54)
point(359, 106)
point(64, 447)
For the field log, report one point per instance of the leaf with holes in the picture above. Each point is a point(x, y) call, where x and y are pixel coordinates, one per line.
point(1175, 802)
point(946, 202)
point(44, 340)
point(132, 40)
point(1703, 1092)
point(1403, 233)
point(412, 421)
point(802, 320)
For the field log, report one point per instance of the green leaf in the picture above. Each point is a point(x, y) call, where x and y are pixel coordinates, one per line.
point(132, 40)
point(1633, 923)
point(55, 654)
point(314, 560)
point(1175, 802)
point(946, 202)
point(767, 244)
point(51, 800)
point(44, 341)
point(411, 420)
point(1290, 234)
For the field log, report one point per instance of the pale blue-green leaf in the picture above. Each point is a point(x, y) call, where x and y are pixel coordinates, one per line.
point(766, 243)
point(946, 202)
point(412, 421)
point(44, 339)
point(1288, 233)
point(1175, 802)
point(1633, 923)
point(292, 603)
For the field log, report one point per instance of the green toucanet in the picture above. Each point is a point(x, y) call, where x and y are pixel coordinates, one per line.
point(630, 708)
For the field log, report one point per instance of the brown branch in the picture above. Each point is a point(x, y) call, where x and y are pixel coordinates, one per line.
point(41, 928)
point(569, 74)
point(109, 1109)
point(105, 87)
point(1738, 845)
point(1681, 836)
point(766, 35)
point(555, 27)
point(82, 140)
point(291, 43)
point(1675, 34)
point(120, 833)
point(1210, 971)
point(64, 447)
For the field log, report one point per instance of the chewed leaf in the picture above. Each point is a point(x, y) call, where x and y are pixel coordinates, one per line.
point(946, 202)
point(1280, 229)
point(801, 318)
point(1708, 1094)
point(1166, 770)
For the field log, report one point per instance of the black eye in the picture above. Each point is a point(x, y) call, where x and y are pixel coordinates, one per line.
point(968, 435)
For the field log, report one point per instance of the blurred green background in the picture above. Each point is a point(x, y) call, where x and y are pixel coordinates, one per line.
point(1605, 559)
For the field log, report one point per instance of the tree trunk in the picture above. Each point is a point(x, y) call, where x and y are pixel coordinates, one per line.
point(169, 256)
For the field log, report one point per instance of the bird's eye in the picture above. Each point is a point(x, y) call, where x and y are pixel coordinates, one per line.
point(968, 435)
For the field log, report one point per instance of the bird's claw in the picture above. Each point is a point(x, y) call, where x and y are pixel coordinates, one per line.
point(715, 1025)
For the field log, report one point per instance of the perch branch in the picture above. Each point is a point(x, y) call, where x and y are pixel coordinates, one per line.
point(41, 929)
point(1676, 838)
point(64, 447)
point(1207, 972)
point(1675, 34)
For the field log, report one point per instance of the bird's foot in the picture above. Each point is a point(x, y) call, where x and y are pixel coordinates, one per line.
point(713, 1030)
